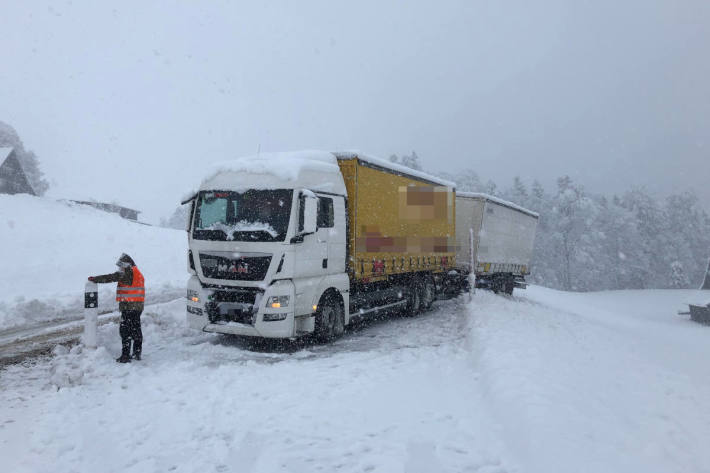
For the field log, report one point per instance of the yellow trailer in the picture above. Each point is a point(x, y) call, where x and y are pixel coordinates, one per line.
point(400, 221)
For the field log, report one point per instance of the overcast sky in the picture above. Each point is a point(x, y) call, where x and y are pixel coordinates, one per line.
point(126, 101)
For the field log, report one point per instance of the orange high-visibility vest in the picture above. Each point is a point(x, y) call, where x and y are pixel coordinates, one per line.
point(135, 292)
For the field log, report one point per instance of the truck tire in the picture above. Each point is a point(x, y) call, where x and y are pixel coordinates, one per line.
point(508, 286)
point(428, 293)
point(339, 327)
point(414, 300)
point(330, 321)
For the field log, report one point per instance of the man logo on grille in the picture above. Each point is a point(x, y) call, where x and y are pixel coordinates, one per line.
point(241, 268)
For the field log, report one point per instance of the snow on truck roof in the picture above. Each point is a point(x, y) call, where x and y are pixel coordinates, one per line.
point(286, 166)
point(308, 167)
point(314, 169)
point(394, 167)
point(497, 200)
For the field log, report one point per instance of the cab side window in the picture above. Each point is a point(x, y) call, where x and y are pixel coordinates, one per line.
point(326, 214)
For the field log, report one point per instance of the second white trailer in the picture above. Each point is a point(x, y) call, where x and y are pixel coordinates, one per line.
point(503, 237)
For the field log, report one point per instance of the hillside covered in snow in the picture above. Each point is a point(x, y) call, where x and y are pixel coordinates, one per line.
point(48, 249)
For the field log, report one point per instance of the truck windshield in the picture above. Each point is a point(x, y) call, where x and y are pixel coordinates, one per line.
point(254, 215)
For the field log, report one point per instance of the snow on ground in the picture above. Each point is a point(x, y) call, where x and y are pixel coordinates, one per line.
point(377, 400)
point(609, 381)
point(543, 381)
point(53, 246)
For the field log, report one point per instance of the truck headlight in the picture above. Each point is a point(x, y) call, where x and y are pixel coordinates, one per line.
point(193, 296)
point(277, 302)
point(274, 317)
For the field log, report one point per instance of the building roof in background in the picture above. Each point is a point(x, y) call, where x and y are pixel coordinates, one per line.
point(5, 152)
point(13, 179)
point(105, 205)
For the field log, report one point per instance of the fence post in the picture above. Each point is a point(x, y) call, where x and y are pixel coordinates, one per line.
point(91, 313)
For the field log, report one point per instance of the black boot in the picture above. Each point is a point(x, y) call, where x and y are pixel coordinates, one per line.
point(137, 356)
point(124, 330)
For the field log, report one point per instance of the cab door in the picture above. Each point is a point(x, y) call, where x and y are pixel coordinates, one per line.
point(324, 228)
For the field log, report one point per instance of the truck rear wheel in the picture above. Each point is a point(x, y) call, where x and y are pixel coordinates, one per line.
point(414, 300)
point(330, 321)
point(508, 286)
point(428, 293)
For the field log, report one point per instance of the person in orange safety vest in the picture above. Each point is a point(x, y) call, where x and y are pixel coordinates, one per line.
point(130, 294)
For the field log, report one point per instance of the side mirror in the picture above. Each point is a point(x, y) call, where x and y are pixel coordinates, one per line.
point(191, 211)
point(190, 215)
point(310, 209)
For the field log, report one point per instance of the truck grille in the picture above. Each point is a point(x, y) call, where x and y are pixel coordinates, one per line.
point(246, 268)
point(238, 305)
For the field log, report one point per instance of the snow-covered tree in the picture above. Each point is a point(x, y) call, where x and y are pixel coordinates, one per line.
point(652, 242)
point(571, 225)
point(519, 192)
point(678, 279)
point(411, 161)
point(466, 181)
point(688, 238)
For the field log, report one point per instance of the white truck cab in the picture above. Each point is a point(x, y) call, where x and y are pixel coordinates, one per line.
point(267, 242)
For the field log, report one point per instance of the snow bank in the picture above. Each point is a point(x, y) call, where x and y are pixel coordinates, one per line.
point(49, 248)
point(608, 381)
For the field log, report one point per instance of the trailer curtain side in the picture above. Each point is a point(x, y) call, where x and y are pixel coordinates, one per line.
point(398, 223)
point(504, 235)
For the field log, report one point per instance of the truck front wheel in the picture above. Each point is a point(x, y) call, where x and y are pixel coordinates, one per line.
point(330, 321)
point(508, 286)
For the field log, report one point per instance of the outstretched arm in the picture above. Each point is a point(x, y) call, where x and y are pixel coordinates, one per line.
point(104, 278)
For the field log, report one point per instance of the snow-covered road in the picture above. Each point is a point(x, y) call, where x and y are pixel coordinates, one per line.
point(20, 343)
point(544, 381)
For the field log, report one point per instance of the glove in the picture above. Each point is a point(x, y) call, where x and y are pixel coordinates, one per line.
point(91, 278)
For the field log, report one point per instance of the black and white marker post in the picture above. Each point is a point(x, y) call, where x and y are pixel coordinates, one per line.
point(91, 313)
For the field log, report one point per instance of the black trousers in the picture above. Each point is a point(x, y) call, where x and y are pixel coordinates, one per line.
point(130, 329)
